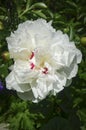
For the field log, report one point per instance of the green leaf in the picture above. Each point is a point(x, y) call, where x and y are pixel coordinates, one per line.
point(83, 75)
point(71, 3)
point(50, 13)
point(71, 33)
point(2, 17)
point(40, 14)
point(2, 9)
point(27, 123)
point(3, 70)
point(77, 101)
point(15, 121)
point(28, 4)
point(57, 123)
point(38, 5)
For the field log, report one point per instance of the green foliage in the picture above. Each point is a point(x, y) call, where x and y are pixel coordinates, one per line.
point(66, 111)
point(20, 118)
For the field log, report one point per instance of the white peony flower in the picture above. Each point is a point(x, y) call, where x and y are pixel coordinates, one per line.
point(44, 60)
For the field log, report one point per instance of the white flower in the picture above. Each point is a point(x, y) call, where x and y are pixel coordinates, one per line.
point(44, 60)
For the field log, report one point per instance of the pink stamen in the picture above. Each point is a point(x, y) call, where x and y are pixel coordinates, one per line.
point(45, 70)
point(32, 55)
point(32, 66)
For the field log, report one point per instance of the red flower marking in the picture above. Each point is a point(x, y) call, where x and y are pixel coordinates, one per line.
point(32, 55)
point(32, 66)
point(45, 70)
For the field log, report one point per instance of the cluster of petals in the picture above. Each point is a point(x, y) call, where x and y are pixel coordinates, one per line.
point(45, 60)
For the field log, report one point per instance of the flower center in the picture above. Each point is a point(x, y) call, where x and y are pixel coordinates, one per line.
point(38, 67)
point(32, 55)
point(45, 71)
point(32, 65)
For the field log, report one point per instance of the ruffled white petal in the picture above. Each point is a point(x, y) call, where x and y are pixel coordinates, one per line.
point(11, 83)
point(23, 73)
point(26, 95)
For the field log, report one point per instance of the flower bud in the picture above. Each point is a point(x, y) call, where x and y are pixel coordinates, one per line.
point(66, 30)
point(6, 55)
point(83, 41)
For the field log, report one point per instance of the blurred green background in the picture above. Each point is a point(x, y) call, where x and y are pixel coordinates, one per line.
point(66, 111)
